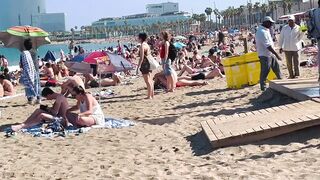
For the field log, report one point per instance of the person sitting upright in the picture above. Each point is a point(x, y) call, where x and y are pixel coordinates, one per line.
point(8, 89)
point(90, 110)
point(44, 113)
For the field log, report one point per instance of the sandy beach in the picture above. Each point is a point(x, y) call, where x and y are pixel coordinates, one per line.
point(167, 141)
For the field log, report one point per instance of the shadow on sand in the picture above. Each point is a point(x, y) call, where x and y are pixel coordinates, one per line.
point(301, 137)
point(200, 144)
point(160, 121)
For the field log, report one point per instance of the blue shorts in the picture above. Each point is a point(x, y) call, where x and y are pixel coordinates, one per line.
point(167, 69)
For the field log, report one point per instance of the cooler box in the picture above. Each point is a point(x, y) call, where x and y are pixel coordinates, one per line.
point(253, 69)
point(236, 71)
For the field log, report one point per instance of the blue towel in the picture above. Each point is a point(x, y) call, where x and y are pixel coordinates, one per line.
point(55, 128)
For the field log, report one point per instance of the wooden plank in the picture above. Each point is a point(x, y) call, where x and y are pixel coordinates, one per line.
point(249, 113)
point(284, 107)
point(215, 130)
point(289, 92)
point(207, 130)
point(263, 111)
point(304, 118)
point(270, 110)
point(273, 125)
point(242, 115)
point(265, 134)
point(265, 127)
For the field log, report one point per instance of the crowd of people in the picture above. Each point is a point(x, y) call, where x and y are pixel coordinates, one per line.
point(178, 67)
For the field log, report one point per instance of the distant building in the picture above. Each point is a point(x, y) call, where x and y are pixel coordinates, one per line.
point(52, 22)
point(162, 8)
point(140, 20)
point(29, 12)
point(156, 15)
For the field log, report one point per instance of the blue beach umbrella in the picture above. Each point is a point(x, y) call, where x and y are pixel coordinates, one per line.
point(179, 45)
point(49, 56)
point(79, 58)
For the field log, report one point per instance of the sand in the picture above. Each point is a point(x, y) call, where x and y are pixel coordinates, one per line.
point(166, 143)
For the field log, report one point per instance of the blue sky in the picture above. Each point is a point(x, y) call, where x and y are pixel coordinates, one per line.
point(84, 12)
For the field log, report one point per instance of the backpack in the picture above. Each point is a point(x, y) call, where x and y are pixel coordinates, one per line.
point(172, 52)
point(313, 31)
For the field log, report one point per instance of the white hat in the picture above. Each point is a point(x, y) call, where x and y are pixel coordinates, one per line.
point(291, 18)
point(268, 18)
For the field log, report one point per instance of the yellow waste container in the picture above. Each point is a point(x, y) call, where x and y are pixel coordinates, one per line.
point(236, 72)
point(254, 69)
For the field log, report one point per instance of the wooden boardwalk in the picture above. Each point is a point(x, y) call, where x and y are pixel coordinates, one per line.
point(299, 89)
point(262, 124)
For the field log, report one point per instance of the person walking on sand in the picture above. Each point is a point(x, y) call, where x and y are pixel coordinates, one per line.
point(166, 61)
point(144, 64)
point(266, 52)
point(29, 74)
point(290, 43)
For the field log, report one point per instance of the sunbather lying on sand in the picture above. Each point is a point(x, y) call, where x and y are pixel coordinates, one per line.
point(197, 74)
point(6, 87)
point(45, 113)
point(160, 79)
point(93, 82)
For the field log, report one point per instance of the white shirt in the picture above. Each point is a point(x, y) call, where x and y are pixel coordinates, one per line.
point(290, 38)
point(263, 41)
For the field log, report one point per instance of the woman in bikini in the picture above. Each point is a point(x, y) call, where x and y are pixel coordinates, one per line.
point(90, 110)
point(144, 64)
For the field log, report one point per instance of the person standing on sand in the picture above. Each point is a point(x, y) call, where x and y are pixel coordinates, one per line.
point(166, 61)
point(29, 73)
point(290, 43)
point(266, 52)
point(144, 64)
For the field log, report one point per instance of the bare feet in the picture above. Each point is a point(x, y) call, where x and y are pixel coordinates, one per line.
point(16, 128)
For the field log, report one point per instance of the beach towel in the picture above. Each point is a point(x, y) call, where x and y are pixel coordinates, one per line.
point(55, 128)
point(104, 93)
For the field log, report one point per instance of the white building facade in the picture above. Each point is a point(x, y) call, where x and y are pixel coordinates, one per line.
point(28, 12)
point(162, 8)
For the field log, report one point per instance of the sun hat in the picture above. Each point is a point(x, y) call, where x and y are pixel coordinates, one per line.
point(291, 18)
point(268, 18)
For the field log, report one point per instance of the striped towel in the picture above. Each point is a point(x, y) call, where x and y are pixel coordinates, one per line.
point(29, 72)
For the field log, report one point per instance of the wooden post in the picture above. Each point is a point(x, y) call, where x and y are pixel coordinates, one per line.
point(245, 44)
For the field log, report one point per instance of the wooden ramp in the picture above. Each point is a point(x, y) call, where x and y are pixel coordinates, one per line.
point(262, 124)
point(299, 89)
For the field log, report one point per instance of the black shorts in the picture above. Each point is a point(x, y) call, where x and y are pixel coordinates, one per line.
point(199, 76)
point(145, 67)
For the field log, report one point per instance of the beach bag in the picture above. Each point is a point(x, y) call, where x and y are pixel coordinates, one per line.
point(154, 64)
point(313, 31)
point(172, 55)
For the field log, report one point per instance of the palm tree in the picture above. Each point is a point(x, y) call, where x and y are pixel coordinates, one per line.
point(249, 6)
point(264, 9)
point(216, 14)
point(208, 12)
point(286, 5)
point(257, 11)
point(272, 8)
point(240, 12)
point(202, 19)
